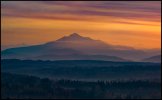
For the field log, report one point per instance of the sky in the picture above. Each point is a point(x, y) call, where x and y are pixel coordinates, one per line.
point(131, 23)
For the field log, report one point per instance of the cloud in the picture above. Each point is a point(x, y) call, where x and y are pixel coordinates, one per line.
point(79, 10)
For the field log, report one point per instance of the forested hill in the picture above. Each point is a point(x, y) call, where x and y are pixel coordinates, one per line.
point(84, 69)
point(26, 87)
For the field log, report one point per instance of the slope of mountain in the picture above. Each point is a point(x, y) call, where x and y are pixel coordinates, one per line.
point(153, 59)
point(75, 47)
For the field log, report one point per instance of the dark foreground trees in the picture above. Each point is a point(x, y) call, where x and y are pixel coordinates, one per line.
point(21, 86)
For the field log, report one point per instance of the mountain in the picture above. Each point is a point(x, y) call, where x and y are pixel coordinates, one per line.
point(75, 47)
point(74, 37)
point(156, 59)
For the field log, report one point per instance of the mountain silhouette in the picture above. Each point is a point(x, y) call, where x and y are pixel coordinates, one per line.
point(75, 47)
point(156, 59)
point(74, 37)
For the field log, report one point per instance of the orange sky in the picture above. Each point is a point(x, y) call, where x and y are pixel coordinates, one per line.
point(135, 24)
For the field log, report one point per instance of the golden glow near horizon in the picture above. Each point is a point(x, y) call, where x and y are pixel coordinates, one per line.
point(135, 24)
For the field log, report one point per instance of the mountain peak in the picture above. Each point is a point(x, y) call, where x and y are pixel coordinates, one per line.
point(74, 37)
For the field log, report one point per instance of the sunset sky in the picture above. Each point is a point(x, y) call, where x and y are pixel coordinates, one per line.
point(130, 23)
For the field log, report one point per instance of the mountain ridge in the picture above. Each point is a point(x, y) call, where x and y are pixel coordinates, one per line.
point(72, 46)
point(156, 58)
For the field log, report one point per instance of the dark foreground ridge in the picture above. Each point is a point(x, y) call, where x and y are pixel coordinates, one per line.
point(28, 87)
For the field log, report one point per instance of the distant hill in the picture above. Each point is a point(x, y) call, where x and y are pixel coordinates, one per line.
point(83, 69)
point(76, 47)
point(153, 59)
